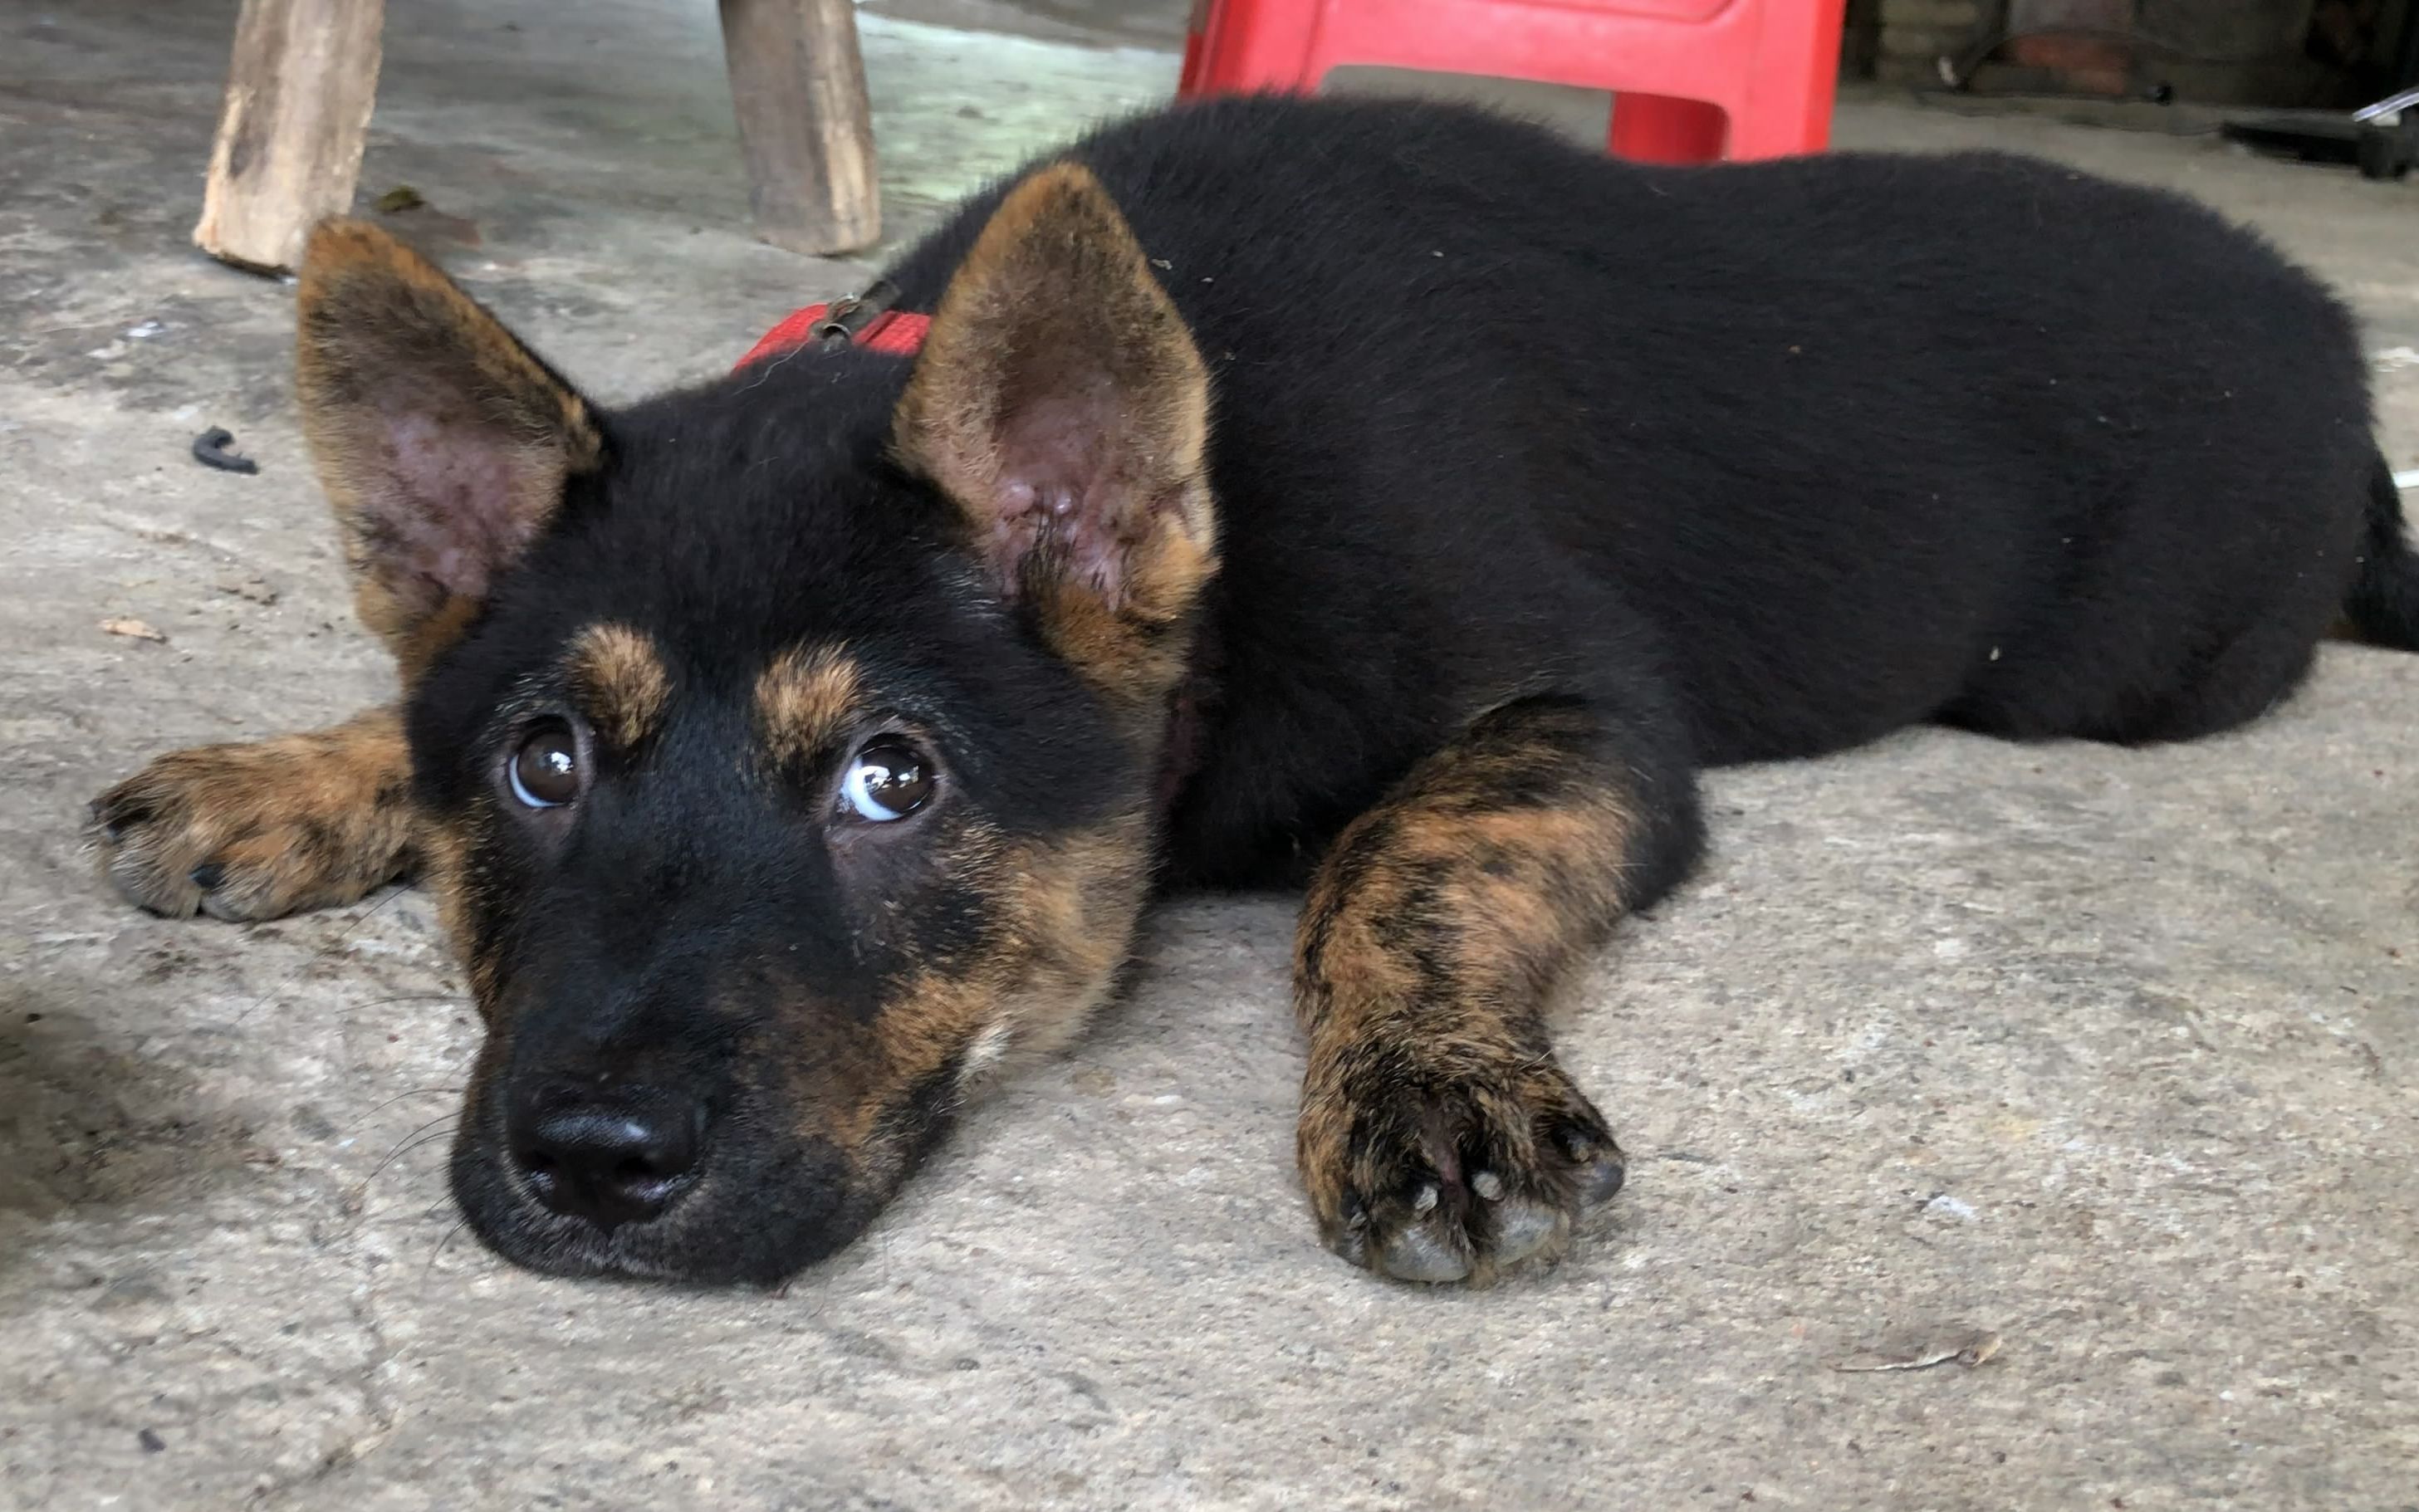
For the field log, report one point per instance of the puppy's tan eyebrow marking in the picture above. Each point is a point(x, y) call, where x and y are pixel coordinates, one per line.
point(617, 679)
point(804, 699)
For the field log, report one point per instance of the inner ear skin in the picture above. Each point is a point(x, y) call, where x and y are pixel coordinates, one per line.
point(437, 454)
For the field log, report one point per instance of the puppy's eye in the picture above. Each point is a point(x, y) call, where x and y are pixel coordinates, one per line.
point(889, 779)
point(545, 772)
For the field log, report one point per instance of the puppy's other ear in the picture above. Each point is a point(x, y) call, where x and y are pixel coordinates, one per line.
point(1060, 402)
point(443, 443)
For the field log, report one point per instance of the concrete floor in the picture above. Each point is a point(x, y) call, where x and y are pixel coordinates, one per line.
point(2109, 1055)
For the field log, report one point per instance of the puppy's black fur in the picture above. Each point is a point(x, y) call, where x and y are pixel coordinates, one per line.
point(1541, 482)
point(1783, 456)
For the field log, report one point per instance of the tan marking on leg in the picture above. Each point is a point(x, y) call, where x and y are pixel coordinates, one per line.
point(267, 828)
point(1434, 935)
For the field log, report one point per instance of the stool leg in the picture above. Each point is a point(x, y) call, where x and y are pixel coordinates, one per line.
point(299, 93)
point(803, 124)
point(1657, 129)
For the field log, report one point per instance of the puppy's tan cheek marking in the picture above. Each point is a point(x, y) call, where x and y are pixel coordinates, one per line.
point(928, 1019)
point(804, 701)
point(1079, 900)
point(1061, 920)
point(1063, 917)
point(464, 901)
point(617, 680)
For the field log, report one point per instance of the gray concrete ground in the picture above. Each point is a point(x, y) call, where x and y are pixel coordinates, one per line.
point(2109, 1055)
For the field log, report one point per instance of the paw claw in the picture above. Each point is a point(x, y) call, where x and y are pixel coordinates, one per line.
point(1525, 1227)
point(1425, 1202)
point(1353, 1244)
point(1418, 1255)
point(1601, 1181)
point(1489, 1185)
point(1601, 1171)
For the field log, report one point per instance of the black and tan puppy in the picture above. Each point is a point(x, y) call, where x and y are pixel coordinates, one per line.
point(1382, 495)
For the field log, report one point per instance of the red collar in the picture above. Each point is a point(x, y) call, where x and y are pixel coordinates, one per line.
point(865, 320)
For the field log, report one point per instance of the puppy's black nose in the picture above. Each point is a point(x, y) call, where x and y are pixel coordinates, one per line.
point(612, 1155)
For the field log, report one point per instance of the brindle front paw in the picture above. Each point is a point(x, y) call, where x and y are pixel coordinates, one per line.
point(260, 830)
point(1450, 1168)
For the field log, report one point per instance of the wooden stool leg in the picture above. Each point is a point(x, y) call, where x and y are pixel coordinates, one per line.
point(300, 89)
point(799, 87)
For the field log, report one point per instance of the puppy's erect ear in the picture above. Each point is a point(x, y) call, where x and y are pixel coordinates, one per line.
point(1060, 402)
point(442, 442)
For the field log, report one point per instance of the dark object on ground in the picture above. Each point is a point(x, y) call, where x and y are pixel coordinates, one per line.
point(2381, 140)
point(2380, 149)
point(210, 451)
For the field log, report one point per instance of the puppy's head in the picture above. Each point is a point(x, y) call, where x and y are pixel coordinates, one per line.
point(787, 745)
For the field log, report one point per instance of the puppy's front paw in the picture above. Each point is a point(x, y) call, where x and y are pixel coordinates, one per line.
point(260, 830)
point(1450, 1166)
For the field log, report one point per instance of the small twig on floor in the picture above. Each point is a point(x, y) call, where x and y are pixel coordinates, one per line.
point(1968, 1347)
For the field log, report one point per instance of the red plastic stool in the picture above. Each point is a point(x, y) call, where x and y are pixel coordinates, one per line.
point(1694, 80)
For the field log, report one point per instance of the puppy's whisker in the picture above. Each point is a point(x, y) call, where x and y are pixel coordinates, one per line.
point(410, 997)
point(318, 955)
point(426, 1134)
point(438, 1252)
point(417, 1091)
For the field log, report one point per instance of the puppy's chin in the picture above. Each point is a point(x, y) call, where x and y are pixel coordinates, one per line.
point(759, 1226)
